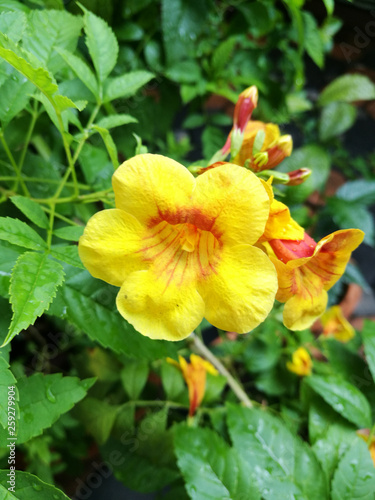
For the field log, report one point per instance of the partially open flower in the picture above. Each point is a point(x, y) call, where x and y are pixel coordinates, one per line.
point(301, 363)
point(336, 325)
point(195, 374)
point(271, 150)
point(306, 270)
point(182, 248)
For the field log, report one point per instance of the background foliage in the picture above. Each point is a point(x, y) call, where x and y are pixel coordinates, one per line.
point(82, 88)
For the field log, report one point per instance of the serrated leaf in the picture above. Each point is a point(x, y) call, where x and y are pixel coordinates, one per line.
point(125, 85)
point(212, 469)
point(68, 254)
point(6, 380)
point(172, 380)
point(32, 210)
point(43, 398)
point(368, 335)
point(222, 54)
point(109, 144)
point(348, 88)
point(7, 262)
point(13, 24)
point(102, 44)
point(71, 233)
point(89, 305)
point(81, 70)
point(14, 96)
point(354, 478)
point(48, 29)
point(343, 397)
point(33, 285)
point(336, 118)
point(13, 5)
point(134, 377)
point(30, 487)
point(282, 460)
point(113, 121)
point(19, 233)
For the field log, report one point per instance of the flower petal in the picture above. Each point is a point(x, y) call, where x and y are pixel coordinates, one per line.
point(152, 187)
point(302, 310)
point(157, 311)
point(234, 202)
point(108, 243)
point(241, 293)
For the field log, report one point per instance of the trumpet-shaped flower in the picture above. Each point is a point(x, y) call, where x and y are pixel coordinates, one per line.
point(336, 325)
point(272, 151)
point(195, 374)
point(306, 270)
point(181, 248)
point(301, 363)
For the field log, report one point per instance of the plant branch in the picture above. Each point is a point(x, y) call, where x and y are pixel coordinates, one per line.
point(232, 382)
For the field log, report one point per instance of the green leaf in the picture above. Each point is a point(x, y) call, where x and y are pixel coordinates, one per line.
point(13, 24)
point(43, 398)
point(81, 70)
point(113, 121)
point(17, 58)
point(68, 254)
point(360, 190)
point(351, 214)
point(211, 469)
point(109, 144)
point(32, 210)
point(147, 453)
point(49, 29)
point(332, 447)
point(184, 72)
point(313, 157)
point(355, 475)
point(14, 96)
point(33, 284)
point(90, 306)
point(134, 377)
point(102, 44)
point(126, 85)
point(330, 5)
point(30, 487)
point(348, 88)
point(13, 5)
point(7, 262)
point(336, 118)
point(222, 54)
point(343, 397)
point(6, 380)
point(172, 380)
point(368, 335)
point(19, 233)
point(213, 140)
point(285, 465)
point(313, 41)
point(97, 417)
point(71, 233)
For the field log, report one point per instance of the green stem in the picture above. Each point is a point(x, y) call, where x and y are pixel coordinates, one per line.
point(59, 216)
point(232, 382)
point(51, 221)
point(34, 117)
point(157, 402)
point(8, 152)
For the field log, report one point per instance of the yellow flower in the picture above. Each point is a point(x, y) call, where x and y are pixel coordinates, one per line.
point(306, 270)
point(336, 325)
point(273, 151)
point(301, 363)
point(365, 435)
point(194, 374)
point(181, 248)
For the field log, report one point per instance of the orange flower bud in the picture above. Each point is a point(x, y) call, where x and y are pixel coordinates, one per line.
point(299, 176)
point(247, 102)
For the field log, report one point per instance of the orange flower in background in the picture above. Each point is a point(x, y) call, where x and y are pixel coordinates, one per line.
point(365, 435)
point(182, 248)
point(195, 374)
point(306, 270)
point(301, 363)
point(336, 325)
point(272, 150)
